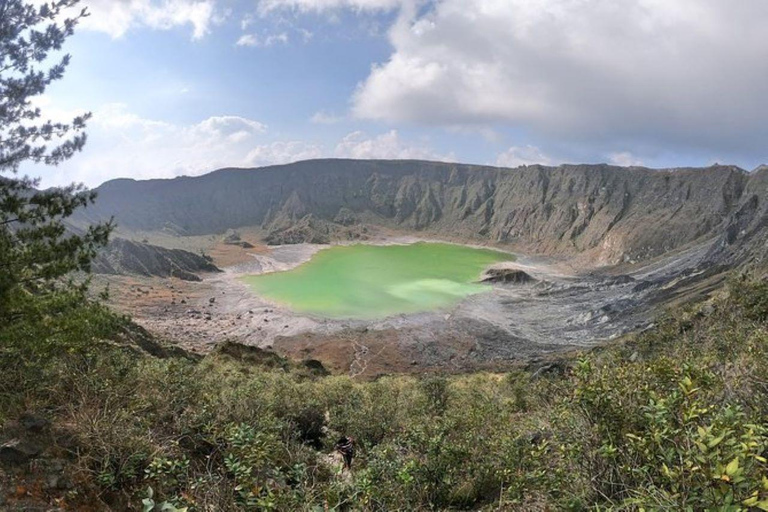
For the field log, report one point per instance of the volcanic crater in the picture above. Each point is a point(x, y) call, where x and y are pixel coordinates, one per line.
point(588, 253)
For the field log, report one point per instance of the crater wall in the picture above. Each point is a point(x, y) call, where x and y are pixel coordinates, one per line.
point(608, 214)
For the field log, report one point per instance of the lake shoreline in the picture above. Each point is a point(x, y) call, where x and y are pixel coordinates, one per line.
point(374, 281)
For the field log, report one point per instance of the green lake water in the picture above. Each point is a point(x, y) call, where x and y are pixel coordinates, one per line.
point(371, 281)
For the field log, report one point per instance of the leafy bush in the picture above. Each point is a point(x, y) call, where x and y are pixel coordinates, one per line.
point(673, 419)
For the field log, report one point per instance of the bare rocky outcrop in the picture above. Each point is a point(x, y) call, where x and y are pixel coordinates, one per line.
point(745, 235)
point(232, 237)
point(128, 257)
point(310, 230)
point(507, 276)
point(605, 213)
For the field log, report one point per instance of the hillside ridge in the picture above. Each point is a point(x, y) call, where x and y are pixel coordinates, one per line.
point(606, 213)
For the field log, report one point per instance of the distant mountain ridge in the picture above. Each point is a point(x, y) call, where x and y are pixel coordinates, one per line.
point(610, 214)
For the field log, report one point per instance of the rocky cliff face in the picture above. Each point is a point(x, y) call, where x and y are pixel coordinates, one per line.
point(609, 214)
point(126, 257)
point(745, 237)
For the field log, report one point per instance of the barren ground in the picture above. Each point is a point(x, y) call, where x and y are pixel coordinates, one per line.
point(511, 324)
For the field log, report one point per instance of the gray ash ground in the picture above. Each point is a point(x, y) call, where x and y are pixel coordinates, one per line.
point(560, 309)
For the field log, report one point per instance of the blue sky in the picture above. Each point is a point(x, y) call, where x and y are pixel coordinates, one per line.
point(188, 86)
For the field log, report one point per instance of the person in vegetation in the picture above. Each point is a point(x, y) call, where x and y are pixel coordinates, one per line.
point(346, 447)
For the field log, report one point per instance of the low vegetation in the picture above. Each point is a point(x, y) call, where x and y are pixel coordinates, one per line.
point(95, 415)
point(674, 418)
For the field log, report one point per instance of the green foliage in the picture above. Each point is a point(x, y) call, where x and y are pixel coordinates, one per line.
point(148, 504)
point(28, 33)
point(674, 419)
point(752, 298)
point(37, 249)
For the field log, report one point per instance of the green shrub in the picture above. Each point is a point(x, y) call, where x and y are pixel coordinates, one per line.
point(679, 426)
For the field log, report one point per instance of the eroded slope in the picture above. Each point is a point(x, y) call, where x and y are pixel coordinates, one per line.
point(612, 214)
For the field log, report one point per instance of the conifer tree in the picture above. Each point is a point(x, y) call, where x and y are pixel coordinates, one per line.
point(37, 247)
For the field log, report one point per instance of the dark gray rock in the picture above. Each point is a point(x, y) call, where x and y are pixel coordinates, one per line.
point(507, 276)
point(555, 368)
point(33, 423)
point(126, 257)
point(316, 367)
point(17, 452)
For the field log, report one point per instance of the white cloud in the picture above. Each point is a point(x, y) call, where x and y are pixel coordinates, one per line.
point(516, 156)
point(306, 35)
point(124, 144)
point(385, 146)
point(652, 72)
point(625, 159)
point(283, 152)
point(272, 39)
point(264, 42)
point(388, 145)
point(266, 6)
point(357, 144)
point(116, 17)
point(323, 117)
point(233, 128)
point(247, 40)
point(246, 21)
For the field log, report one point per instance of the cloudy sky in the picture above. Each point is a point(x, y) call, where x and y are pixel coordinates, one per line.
point(187, 86)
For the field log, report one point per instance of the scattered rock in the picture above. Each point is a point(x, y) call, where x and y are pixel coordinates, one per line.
point(316, 367)
point(17, 452)
point(556, 368)
point(212, 300)
point(243, 244)
point(126, 257)
point(620, 280)
point(507, 276)
point(57, 481)
point(252, 355)
point(33, 423)
point(536, 438)
point(642, 286)
point(232, 237)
